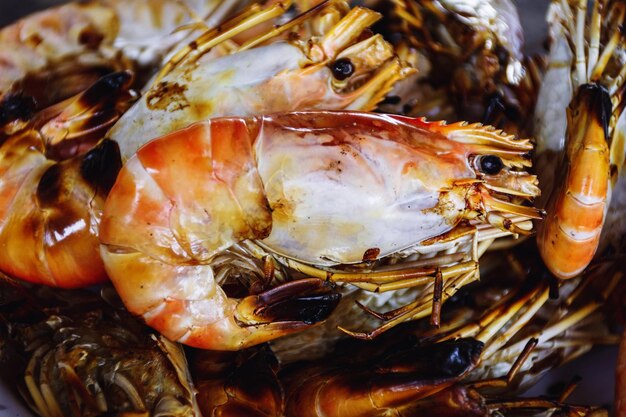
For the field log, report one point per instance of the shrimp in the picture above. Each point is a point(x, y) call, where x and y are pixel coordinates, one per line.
point(594, 143)
point(357, 21)
point(336, 67)
point(290, 186)
point(76, 43)
point(74, 355)
point(342, 385)
point(53, 185)
point(386, 383)
point(401, 376)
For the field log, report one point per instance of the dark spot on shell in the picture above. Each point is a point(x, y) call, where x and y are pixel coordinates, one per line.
point(34, 40)
point(101, 165)
point(106, 89)
point(90, 38)
point(495, 107)
point(613, 171)
point(16, 106)
point(50, 185)
point(599, 103)
point(167, 96)
point(391, 100)
point(371, 254)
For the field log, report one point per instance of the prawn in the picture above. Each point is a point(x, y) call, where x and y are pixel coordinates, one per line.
point(594, 141)
point(470, 61)
point(334, 67)
point(291, 185)
point(105, 361)
point(77, 43)
point(346, 384)
point(344, 26)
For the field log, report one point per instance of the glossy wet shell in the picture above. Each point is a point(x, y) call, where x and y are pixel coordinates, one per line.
point(226, 86)
point(373, 186)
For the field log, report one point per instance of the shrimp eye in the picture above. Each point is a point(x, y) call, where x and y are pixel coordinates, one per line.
point(342, 68)
point(490, 164)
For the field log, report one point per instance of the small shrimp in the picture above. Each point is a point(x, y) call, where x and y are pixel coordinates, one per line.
point(76, 43)
point(74, 355)
point(315, 189)
point(335, 69)
point(348, 383)
point(383, 384)
point(570, 235)
point(403, 376)
point(52, 192)
point(594, 143)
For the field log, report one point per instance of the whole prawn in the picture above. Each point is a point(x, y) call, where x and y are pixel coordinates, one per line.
point(105, 361)
point(594, 138)
point(334, 63)
point(404, 376)
point(383, 382)
point(290, 185)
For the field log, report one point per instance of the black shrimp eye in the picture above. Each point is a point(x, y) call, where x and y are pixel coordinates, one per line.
point(342, 68)
point(490, 164)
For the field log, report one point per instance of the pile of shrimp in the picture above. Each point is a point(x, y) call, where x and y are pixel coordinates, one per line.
point(310, 208)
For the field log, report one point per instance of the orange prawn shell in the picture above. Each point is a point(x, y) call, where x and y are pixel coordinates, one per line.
point(46, 234)
point(569, 237)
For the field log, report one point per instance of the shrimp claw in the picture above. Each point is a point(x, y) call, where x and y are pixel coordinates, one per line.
point(299, 301)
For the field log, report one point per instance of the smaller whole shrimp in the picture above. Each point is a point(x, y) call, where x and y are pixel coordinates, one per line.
point(593, 139)
point(74, 355)
point(320, 188)
point(569, 238)
point(366, 380)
